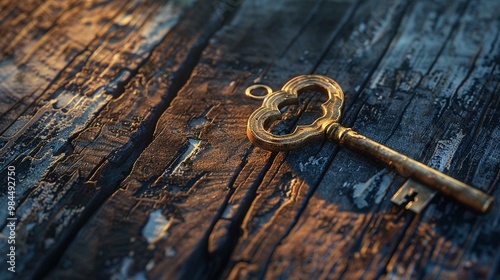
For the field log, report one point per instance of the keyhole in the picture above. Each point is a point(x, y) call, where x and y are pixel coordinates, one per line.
point(305, 112)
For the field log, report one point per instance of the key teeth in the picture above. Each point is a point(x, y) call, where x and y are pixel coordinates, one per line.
point(421, 194)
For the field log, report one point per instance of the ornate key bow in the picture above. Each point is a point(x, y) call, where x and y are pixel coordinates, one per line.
point(261, 118)
point(421, 176)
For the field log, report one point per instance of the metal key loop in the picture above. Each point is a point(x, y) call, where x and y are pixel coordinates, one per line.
point(328, 126)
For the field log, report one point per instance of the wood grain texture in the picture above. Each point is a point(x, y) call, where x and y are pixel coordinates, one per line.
point(126, 122)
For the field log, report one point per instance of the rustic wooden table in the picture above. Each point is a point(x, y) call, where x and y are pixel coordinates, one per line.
point(124, 125)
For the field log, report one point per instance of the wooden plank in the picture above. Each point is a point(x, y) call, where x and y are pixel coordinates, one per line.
point(84, 110)
point(41, 41)
point(212, 250)
point(214, 178)
point(209, 249)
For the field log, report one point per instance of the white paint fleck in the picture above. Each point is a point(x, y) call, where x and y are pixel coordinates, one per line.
point(311, 162)
point(170, 252)
point(444, 152)
point(30, 226)
point(198, 122)
point(192, 150)
point(362, 27)
point(150, 265)
point(156, 227)
point(124, 268)
point(383, 186)
point(382, 180)
point(379, 78)
point(159, 26)
point(229, 211)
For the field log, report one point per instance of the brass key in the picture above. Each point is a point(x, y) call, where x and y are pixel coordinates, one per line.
point(328, 126)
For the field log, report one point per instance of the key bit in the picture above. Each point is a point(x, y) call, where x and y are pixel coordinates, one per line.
point(328, 126)
point(414, 194)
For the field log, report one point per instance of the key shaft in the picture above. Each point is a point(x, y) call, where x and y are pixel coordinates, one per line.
point(407, 167)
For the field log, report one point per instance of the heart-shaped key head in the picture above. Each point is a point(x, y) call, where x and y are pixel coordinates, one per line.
point(261, 119)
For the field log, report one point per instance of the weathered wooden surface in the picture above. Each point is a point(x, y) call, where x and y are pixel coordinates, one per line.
point(126, 124)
